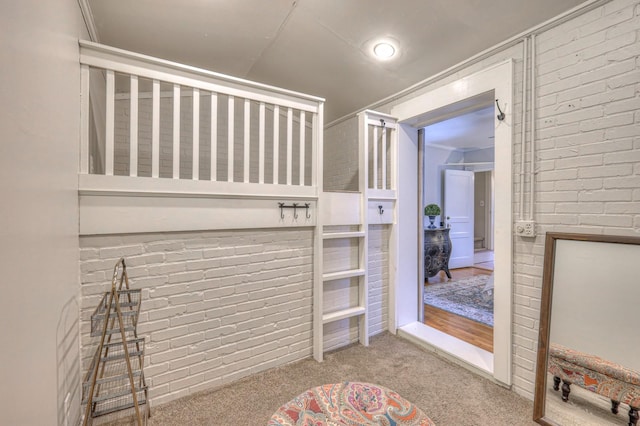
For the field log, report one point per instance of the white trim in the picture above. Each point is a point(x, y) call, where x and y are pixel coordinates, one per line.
point(499, 78)
point(230, 137)
point(195, 144)
point(289, 144)
point(118, 214)
point(246, 163)
point(106, 57)
point(214, 137)
point(176, 131)
point(461, 353)
point(109, 143)
point(87, 16)
point(84, 118)
point(261, 140)
point(302, 161)
point(148, 186)
point(155, 130)
point(133, 127)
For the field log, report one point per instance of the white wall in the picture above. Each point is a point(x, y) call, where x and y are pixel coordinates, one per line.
point(39, 118)
point(587, 148)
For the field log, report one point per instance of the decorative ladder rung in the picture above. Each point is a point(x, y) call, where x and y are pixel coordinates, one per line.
point(342, 314)
point(343, 274)
point(334, 235)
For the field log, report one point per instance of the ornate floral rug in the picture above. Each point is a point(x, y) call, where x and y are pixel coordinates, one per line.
point(469, 297)
point(349, 403)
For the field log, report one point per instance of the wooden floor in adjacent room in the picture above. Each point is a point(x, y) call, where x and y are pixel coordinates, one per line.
point(470, 331)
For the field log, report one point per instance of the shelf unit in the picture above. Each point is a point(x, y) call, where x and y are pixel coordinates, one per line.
point(115, 379)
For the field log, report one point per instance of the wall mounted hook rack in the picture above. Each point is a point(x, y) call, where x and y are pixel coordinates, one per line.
point(295, 208)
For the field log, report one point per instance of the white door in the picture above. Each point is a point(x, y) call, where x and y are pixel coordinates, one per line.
point(458, 205)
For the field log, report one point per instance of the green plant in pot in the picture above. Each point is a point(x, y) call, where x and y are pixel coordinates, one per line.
point(432, 210)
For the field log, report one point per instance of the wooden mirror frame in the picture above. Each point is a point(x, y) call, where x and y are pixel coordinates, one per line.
point(545, 310)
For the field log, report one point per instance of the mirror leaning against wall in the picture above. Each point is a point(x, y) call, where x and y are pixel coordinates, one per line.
point(588, 366)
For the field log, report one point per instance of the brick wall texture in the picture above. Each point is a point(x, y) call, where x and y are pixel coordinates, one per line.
point(220, 305)
point(587, 152)
point(217, 306)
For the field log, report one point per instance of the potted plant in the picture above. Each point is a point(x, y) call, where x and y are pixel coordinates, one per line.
point(432, 210)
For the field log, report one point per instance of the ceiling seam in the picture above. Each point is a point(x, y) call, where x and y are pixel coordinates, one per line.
point(279, 31)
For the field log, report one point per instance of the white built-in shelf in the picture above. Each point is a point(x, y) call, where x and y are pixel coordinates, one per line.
point(333, 235)
point(345, 313)
point(343, 274)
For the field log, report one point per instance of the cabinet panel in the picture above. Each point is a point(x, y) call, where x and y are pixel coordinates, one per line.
point(377, 216)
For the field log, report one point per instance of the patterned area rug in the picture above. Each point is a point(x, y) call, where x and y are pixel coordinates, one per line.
point(469, 297)
point(349, 403)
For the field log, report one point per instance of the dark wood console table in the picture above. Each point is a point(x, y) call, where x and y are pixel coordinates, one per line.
point(437, 251)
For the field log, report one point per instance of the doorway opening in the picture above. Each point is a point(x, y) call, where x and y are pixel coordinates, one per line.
point(458, 162)
point(491, 85)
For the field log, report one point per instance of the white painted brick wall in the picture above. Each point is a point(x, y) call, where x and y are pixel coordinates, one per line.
point(378, 278)
point(587, 147)
point(217, 306)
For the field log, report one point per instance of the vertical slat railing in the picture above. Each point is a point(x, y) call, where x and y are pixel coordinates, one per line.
point(374, 165)
point(176, 131)
point(247, 138)
point(230, 140)
point(302, 135)
point(282, 173)
point(84, 123)
point(109, 125)
point(289, 144)
point(384, 157)
point(195, 147)
point(315, 161)
point(155, 130)
point(261, 137)
point(276, 143)
point(133, 126)
point(214, 136)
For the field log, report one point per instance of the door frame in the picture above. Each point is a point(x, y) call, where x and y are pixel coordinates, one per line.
point(499, 79)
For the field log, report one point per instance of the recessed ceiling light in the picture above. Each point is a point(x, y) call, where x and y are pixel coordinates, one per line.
point(384, 50)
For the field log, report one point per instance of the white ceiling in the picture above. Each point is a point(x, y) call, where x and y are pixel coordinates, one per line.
point(468, 131)
point(319, 47)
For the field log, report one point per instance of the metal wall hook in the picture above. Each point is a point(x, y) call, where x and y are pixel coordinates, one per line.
point(380, 209)
point(500, 116)
point(295, 207)
point(382, 123)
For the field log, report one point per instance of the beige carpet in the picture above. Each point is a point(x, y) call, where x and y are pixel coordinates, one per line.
point(448, 394)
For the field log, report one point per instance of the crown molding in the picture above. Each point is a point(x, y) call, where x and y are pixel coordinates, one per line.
point(87, 15)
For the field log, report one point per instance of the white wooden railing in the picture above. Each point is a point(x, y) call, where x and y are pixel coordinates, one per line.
point(380, 139)
point(150, 125)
